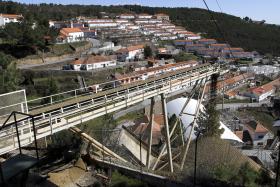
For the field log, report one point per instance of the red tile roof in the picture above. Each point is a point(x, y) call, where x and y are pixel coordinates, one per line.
point(67, 31)
point(142, 128)
point(239, 134)
point(219, 45)
point(183, 41)
point(161, 14)
point(256, 127)
point(206, 40)
point(12, 16)
point(266, 88)
point(154, 69)
point(231, 93)
point(234, 48)
point(130, 48)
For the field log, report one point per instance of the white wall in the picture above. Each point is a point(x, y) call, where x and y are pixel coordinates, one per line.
point(4, 21)
point(132, 54)
point(99, 65)
point(265, 95)
point(1, 21)
point(108, 24)
point(75, 37)
point(77, 66)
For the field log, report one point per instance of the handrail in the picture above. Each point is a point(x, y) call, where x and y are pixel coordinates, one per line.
point(49, 121)
point(86, 91)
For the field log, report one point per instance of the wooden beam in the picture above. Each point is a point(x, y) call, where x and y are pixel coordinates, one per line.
point(95, 143)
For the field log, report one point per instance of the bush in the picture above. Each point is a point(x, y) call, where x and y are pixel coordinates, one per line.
point(225, 173)
point(246, 176)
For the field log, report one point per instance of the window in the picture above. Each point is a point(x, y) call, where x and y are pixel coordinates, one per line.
point(260, 137)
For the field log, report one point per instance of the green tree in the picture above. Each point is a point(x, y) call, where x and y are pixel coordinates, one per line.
point(247, 175)
point(182, 56)
point(51, 89)
point(10, 78)
point(225, 173)
point(209, 120)
point(148, 51)
point(5, 60)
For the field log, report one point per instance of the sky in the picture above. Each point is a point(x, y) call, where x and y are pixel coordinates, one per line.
point(256, 9)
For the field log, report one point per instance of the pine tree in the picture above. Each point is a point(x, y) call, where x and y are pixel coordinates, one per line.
point(209, 120)
point(148, 51)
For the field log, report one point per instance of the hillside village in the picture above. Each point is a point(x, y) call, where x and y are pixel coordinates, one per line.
point(130, 47)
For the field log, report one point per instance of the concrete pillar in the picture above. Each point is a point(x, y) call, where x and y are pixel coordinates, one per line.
point(163, 100)
point(150, 140)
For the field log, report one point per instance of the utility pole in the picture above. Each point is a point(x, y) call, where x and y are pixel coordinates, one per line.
point(195, 158)
point(223, 95)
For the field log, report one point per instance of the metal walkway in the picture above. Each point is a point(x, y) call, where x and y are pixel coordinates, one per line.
point(65, 110)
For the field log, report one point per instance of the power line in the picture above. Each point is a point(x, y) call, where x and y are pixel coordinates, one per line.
point(219, 6)
point(217, 25)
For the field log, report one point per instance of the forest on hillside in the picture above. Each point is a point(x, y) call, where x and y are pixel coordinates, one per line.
point(238, 32)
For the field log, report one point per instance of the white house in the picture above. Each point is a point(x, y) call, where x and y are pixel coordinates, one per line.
point(144, 16)
point(259, 135)
point(162, 16)
point(121, 21)
point(133, 27)
point(141, 21)
point(193, 37)
point(160, 33)
point(93, 62)
point(8, 18)
point(131, 52)
point(97, 24)
point(127, 16)
point(168, 37)
point(264, 91)
point(155, 21)
point(165, 25)
point(99, 20)
point(69, 35)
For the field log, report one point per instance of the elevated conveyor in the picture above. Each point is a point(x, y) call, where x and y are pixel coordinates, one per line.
point(60, 113)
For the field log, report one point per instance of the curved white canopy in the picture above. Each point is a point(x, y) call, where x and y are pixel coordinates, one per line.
point(175, 107)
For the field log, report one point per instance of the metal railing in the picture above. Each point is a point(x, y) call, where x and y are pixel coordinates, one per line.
point(61, 118)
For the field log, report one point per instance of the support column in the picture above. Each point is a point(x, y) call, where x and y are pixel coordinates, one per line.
point(185, 151)
point(175, 125)
point(163, 100)
point(150, 140)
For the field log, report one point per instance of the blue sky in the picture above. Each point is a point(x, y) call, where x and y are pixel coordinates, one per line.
point(255, 9)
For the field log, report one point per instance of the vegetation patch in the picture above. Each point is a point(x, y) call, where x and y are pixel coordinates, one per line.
point(119, 180)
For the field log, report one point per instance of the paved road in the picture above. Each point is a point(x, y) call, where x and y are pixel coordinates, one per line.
point(30, 66)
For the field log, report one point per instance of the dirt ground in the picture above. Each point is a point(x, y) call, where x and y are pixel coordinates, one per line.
point(72, 177)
